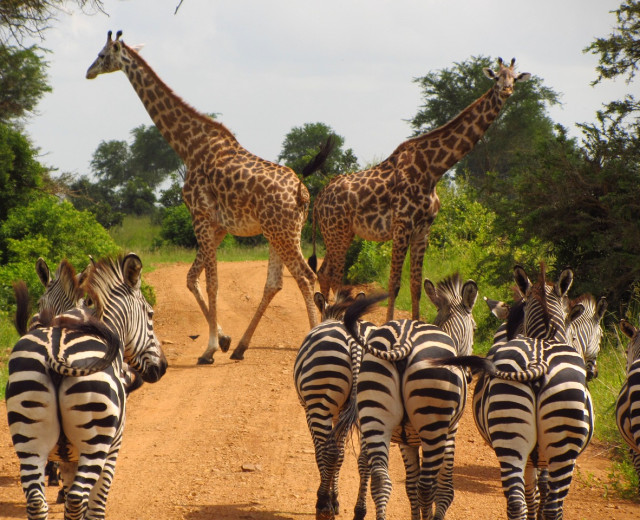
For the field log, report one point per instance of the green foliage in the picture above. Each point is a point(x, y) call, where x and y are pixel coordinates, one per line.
point(23, 81)
point(20, 172)
point(620, 52)
point(152, 159)
point(177, 228)
point(97, 198)
point(370, 260)
point(54, 230)
point(136, 234)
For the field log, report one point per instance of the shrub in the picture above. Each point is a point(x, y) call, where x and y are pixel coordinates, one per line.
point(177, 228)
point(53, 230)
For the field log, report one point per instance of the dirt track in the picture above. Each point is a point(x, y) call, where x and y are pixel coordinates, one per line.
point(230, 441)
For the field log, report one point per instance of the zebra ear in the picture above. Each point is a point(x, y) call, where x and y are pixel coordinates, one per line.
point(430, 291)
point(469, 294)
point(575, 312)
point(565, 281)
point(522, 280)
point(320, 301)
point(627, 329)
point(131, 267)
point(42, 269)
point(601, 307)
point(498, 308)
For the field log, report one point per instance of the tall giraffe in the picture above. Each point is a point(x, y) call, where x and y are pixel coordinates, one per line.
point(396, 200)
point(227, 190)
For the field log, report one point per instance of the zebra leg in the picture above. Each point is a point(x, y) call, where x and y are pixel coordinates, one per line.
point(411, 458)
point(360, 511)
point(444, 490)
point(34, 488)
point(100, 492)
point(334, 488)
point(532, 491)
point(635, 457)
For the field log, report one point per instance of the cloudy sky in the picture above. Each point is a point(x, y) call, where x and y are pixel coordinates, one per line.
point(266, 66)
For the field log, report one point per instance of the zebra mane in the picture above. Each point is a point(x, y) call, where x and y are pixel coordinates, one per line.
point(448, 292)
point(68, 280)
point(539, 293)
point(589, 302)
point(345, 297)
point(515, 318)
point(103, 276)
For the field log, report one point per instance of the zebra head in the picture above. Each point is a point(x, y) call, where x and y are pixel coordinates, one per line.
point(544, 304)
point(585, 331)
point(455, 302)
point(62, 292)
point(633, 348)
point(113, 286)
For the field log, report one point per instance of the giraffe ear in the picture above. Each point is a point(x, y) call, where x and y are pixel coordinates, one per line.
point(523, 76)
point(489, 73)
point(137, 48)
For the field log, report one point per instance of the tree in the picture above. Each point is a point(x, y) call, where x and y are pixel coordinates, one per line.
point(111, 163)
point(303, 142)
point(620, 51)
point(152, 159)
point(20, 173)
point(522, 122)
point(23, 81)
point(23, 18)
point(97, 198)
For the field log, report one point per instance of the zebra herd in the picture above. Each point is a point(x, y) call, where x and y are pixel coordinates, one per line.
point(406, 382)
point(68, 378)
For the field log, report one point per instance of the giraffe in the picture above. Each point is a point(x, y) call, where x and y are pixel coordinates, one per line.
point(397, 200)
point(227, 190)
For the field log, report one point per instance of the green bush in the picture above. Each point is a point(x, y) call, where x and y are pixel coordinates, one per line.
point(53, 230)
point(177, 228)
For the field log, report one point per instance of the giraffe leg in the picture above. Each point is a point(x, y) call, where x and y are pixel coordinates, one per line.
point(193, 284)
point(418, 248)
point(271, 288)
point(207, 255)
point(306, 280)
point(331, 271)
point(398, 254)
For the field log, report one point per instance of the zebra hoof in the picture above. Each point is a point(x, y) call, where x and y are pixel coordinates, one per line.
point(205, 361)
point(224, 342)
point(325, 515)
point(237, 354)
point(60, 499)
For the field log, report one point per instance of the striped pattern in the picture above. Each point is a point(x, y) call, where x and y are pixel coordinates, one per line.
point(412, 403)
point(327, 363)
point(628, 403)
point(65, 395)
point(545, 423)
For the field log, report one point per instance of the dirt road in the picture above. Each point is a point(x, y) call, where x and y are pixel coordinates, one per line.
point(230, 441)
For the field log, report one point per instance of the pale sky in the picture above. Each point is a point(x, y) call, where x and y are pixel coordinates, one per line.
point(266, 66)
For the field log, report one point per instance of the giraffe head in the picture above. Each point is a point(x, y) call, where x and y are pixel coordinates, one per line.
point(505, 77)
point(110, 59)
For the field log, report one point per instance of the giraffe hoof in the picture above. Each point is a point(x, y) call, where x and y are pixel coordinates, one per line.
point(224, 342)
point(205, 361)
point(237, 354)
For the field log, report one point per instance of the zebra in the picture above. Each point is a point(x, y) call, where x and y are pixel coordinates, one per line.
point(535, 409)
point(326, 365)
point(402, 399)
point(65, 396)
point(628, 403)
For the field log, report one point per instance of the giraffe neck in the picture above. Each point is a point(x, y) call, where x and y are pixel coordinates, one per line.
point(443, 147)
point(184, 128)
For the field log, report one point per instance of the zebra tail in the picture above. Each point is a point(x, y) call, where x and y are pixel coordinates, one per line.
point(89, 326)
point(23, 307)
point(533, 372)
point(358, 309)
point(397, 353)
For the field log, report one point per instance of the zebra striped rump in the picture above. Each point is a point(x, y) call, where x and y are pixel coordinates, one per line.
point(65, 392)
point(628, 402)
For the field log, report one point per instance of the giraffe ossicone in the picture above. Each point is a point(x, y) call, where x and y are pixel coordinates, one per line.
point(227, 190)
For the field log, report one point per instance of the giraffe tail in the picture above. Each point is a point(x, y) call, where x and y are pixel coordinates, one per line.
point(313, 259)
point(321, 157)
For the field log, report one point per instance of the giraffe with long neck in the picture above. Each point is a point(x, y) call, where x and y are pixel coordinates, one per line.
point(227, 190)
point(397, 200)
